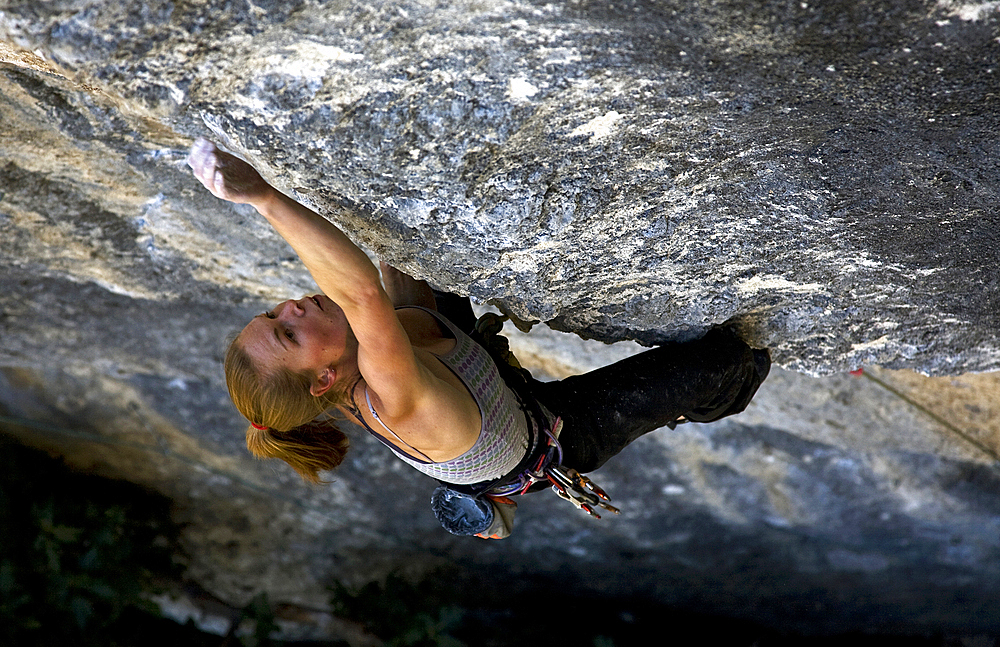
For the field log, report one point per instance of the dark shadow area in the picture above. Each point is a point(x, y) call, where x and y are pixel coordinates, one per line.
point(437, 612)
point(80, 557)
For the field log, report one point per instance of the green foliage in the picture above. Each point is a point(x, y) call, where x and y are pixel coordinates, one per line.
point(259, 611)
point(76, 551)
point(404, 614)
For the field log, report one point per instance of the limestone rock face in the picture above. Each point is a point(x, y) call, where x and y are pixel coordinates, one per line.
point(822, 174)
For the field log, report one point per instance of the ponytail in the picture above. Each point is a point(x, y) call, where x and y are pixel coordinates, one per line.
point(287, 421)
point(308, 449)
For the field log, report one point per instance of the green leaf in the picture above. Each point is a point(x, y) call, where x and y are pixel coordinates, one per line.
point(90, 560)
point(82, 610)
point(66, 534)
point(7, 580)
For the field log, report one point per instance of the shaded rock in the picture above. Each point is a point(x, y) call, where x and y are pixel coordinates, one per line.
point(823, 175)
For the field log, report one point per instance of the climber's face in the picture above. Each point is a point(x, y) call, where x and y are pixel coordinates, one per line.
point(308, 336)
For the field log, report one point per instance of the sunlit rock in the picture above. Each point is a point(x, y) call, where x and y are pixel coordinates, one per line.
point(824, 175)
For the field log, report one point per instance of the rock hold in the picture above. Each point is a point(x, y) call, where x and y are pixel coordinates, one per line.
point(620, 172)
point(821, 175)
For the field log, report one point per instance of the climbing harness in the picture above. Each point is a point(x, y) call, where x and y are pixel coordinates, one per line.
point(567, 483)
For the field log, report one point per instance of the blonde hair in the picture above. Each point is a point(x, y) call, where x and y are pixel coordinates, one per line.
point(280, 401)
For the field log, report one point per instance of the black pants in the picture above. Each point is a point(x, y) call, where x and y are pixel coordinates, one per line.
point(608, 408)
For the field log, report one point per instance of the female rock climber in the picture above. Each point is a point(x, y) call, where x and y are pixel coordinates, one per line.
point(383, 356)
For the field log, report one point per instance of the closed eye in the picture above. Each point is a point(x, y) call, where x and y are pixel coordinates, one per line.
point(270, 315)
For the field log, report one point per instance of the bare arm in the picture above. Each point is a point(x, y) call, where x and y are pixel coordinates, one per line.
point(342, 271)
point(340, 268)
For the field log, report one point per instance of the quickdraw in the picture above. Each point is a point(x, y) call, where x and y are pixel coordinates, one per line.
point(567, 483)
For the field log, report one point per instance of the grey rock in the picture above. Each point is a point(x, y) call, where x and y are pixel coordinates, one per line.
point(822, 175)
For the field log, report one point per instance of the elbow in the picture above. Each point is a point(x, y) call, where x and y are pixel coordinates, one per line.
point(369, 295)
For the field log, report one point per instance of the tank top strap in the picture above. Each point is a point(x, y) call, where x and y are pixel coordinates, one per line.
point(375, 415)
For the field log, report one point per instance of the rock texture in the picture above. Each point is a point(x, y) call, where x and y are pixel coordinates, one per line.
point(823, 174)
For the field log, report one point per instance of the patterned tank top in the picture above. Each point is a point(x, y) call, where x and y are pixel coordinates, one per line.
point(503, 438)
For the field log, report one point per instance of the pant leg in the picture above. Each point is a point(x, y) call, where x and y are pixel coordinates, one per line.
point(608, 408)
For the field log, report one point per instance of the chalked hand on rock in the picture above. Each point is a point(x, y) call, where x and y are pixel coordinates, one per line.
point(225, 175)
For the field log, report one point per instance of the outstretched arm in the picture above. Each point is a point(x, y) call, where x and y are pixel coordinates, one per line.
point(342, 271)
point(340, 268)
